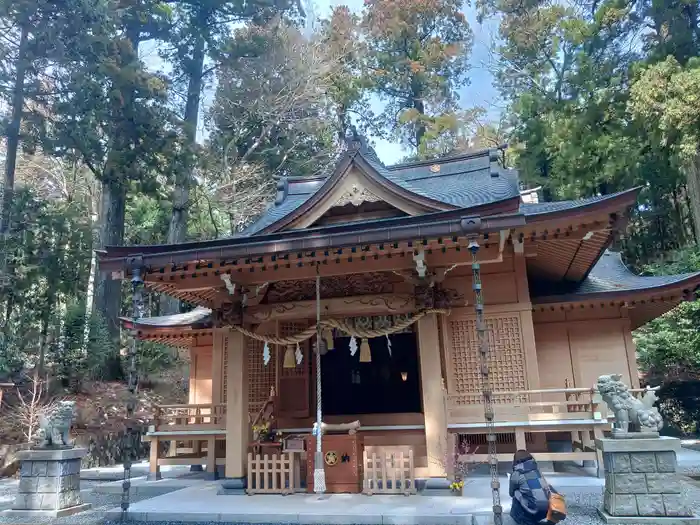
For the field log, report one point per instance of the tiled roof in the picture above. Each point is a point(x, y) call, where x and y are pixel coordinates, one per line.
point(611, 275)
point(541, 208)
point(463, 181)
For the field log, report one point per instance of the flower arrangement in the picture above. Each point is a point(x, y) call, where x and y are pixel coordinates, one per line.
point(262, 432)
point(456, 486)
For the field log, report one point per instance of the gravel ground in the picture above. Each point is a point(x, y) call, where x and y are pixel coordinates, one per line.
point(582, 507)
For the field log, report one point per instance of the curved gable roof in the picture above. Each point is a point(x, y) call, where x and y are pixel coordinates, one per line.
point(451, 183)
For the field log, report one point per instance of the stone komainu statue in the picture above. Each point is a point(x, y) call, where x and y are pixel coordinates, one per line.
point(54, 426)
point(627, 408)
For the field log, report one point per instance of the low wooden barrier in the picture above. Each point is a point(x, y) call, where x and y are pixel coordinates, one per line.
point(388, 470)
point(190, 417)
point(272, 474)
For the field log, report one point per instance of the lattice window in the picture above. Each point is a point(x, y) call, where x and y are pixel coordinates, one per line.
point(287, 328)
point(506, 357)
point(295, 383)
point(261, 378)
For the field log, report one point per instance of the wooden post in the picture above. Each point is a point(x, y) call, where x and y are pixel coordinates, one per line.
point(211, 457)
point(153, 466)
point(237, 424)
point(217, 368)
point(433, 402)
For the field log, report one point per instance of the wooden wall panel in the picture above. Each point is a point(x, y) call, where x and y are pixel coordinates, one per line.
point(581, 351)
point(598, 348)
point(200, 376)
point(553, 356)
point(498, 288)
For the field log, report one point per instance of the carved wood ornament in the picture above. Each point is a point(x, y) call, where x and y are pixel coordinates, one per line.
point(350, 285)
point(392, 303)
point(356, 196)
point(435, 296)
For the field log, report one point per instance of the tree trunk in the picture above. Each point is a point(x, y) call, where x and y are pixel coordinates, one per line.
point(92, 277)
point(419, 106)
point(111, 226)
point(177, 231)
point(13, 130)
point(114, 189)
point(693, 176)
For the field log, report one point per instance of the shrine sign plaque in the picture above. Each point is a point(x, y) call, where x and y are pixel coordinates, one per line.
point(341, 453)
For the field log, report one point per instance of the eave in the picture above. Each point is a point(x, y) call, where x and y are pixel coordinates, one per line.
point(205, 253)
point(611, 283)
point(567, 258)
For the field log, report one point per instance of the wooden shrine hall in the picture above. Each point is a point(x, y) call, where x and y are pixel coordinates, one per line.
point(395, 267)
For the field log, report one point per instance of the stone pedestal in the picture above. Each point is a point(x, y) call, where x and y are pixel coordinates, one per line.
point(641, 483)
point(49, 483)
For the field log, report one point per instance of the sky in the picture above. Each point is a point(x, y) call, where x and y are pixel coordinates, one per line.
point(480, 92)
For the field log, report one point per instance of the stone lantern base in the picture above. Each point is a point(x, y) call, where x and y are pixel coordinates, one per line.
point(49, 483)
point(641, 482)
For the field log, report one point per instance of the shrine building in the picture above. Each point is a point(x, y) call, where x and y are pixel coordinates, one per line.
point(399, 263)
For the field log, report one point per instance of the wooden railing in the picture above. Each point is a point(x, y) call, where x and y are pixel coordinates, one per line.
point(388, 470)
point(527, 406)
point(272, 474)
point(210, 416)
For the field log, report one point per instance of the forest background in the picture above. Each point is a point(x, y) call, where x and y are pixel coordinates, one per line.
point(144, 121)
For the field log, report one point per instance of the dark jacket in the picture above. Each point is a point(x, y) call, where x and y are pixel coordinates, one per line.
point(530, 493)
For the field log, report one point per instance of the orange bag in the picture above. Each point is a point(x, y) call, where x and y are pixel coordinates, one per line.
point(557, 508)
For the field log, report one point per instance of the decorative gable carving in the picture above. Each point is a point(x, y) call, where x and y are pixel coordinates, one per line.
point(356, 196)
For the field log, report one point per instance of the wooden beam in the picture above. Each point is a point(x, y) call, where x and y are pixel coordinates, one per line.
point(340, 306)
point(293, 270)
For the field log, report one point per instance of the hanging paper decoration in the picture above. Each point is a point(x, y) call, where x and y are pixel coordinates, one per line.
point(299, 355)
point(365, 354)
point(353, 345)
point(328, 336)
point(266, 354)
point(289, 357)
point(388, 344)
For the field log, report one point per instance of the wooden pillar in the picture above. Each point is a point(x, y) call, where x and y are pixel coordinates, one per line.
point(433, 395)
point(237, 424)
point(217, 367)
point(527, 328)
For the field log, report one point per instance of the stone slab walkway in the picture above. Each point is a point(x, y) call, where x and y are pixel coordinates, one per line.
point(200, 503)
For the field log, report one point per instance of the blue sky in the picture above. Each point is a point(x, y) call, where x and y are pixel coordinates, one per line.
point(479, 93)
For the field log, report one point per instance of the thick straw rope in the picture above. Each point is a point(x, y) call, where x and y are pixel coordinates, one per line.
point(343, 326)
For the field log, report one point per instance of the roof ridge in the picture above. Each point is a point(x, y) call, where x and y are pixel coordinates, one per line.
point(447, 158)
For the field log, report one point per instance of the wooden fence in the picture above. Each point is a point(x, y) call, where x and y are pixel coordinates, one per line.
point(388, 470)
point(275, 474)
point(190, 417)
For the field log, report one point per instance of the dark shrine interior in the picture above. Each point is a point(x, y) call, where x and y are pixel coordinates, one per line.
point(388, 384)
